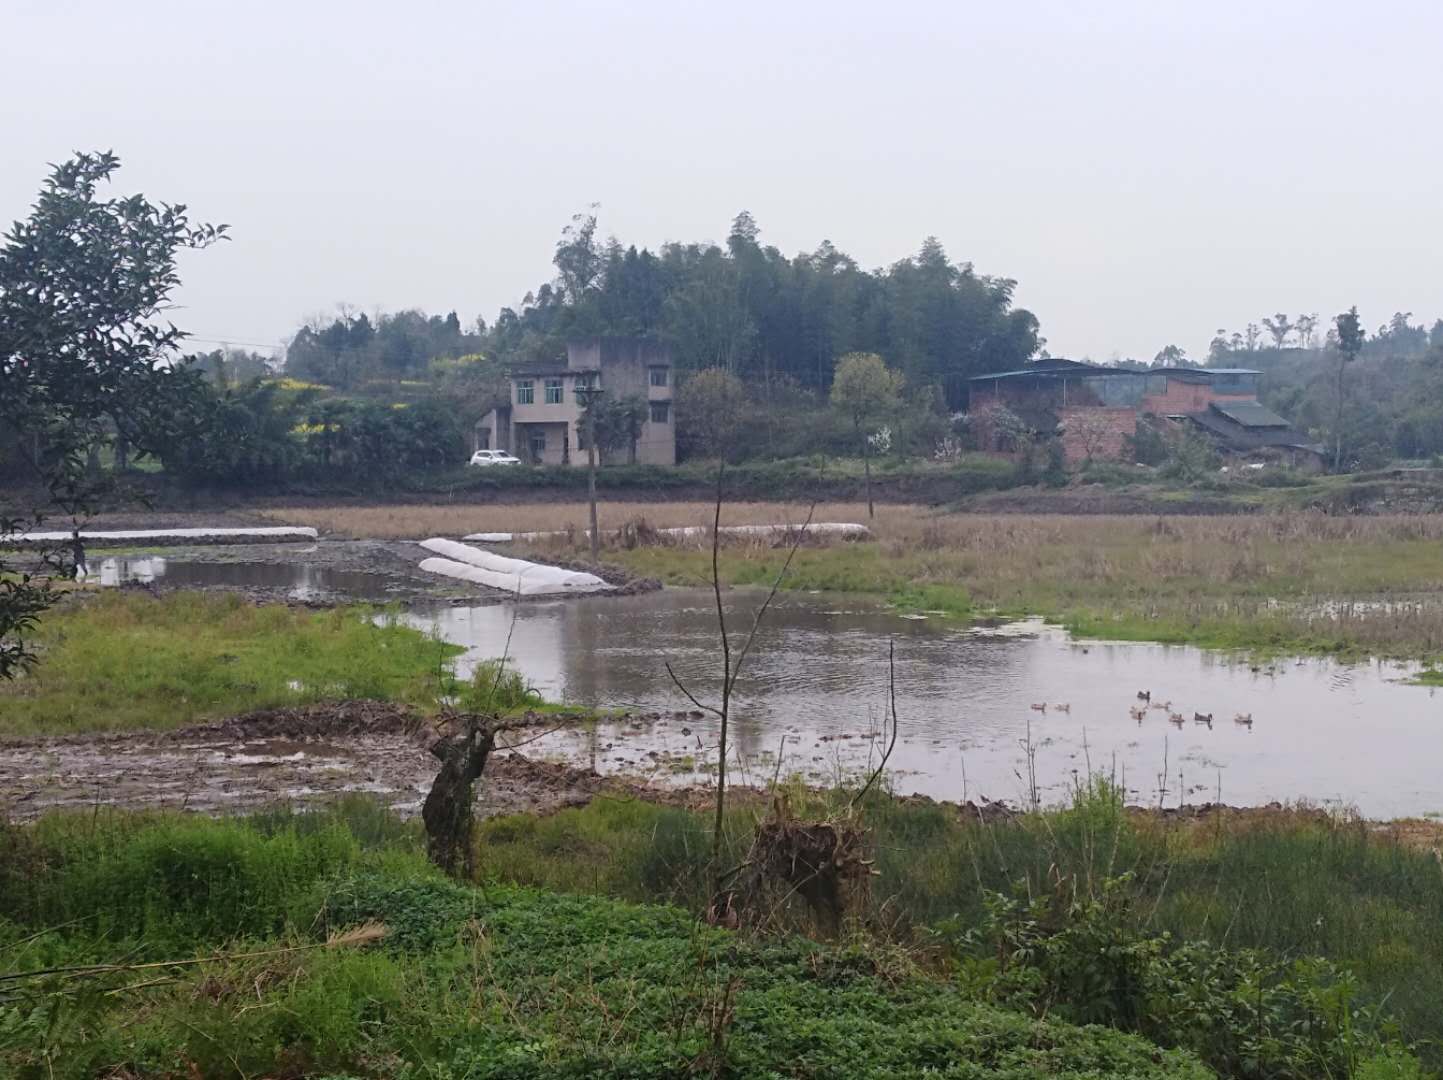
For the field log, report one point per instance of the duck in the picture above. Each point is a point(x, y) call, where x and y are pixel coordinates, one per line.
point(1203, 718)
point(1039, 707)
point(1245, 719)
point(1144, 695)
point(1064, 707)
point(1137, 713)
point(1165, 706)
point(1176, 719)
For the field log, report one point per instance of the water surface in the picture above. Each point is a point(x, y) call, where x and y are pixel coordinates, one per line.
point(1327, 732)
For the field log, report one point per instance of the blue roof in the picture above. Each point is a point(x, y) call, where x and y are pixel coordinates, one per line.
point(1228, 370)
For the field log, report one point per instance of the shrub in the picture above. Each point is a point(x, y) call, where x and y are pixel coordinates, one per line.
point(496, 687)
point(1248, 1014)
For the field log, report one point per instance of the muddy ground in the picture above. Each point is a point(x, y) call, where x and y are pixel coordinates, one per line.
point(282, 757)
point(313, 754)
point(338, 572)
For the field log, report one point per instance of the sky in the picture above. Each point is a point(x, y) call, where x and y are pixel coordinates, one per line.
point(1148, 171)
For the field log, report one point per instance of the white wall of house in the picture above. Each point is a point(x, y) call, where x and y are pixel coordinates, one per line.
point(546, 411)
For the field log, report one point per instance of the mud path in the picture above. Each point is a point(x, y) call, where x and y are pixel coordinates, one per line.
point(280, 756)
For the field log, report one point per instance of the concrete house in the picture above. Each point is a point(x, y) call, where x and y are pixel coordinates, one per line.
point(1094, 410)
point(543, 425)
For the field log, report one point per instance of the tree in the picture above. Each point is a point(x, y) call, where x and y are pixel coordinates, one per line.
point(83, 284)
point(1350, 335)
point(865, 391)
point(1251, 334)
point(1090, 430)
point(1306, 326)
point(616, 423)
point(1279, 326)
point(709, 410)
point(1171, 356)
point(578, 260)
point(1218, 347)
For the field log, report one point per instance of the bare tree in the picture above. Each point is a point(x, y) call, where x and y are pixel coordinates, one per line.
point(1090, 430)
point(731, 669)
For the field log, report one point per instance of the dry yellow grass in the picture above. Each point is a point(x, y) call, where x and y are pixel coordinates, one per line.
point(418, 521)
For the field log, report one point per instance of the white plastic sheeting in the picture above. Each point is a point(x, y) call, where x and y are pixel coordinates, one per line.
point(516, 576)
point(270, 532)
point(842, 529)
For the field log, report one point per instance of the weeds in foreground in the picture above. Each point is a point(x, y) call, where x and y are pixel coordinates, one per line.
point(1288, 885)
point(501, 982)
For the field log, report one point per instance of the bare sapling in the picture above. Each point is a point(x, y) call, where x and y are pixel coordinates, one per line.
point(731, 669)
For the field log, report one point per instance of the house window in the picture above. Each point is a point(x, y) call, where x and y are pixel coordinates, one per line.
point(660, 412)
point(659, 376)
point(525, 392)
point(553, 392)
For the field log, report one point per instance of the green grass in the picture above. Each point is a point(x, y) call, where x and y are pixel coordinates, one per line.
point(124, 660)
point(1428, 677)
point(1296, 885)
point(496, 982)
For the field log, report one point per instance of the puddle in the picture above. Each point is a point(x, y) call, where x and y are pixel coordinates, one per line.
point(1322, 731)
point(297, 580)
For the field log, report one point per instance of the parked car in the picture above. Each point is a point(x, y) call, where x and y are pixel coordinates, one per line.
point(493, 457)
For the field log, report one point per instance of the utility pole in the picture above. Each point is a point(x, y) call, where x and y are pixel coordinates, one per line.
point(589, 395)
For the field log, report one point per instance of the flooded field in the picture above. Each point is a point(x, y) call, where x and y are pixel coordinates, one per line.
point(296, 580)
point(970, 701)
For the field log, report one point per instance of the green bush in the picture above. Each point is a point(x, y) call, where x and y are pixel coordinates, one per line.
point(1246, 1013)
point(496, 687)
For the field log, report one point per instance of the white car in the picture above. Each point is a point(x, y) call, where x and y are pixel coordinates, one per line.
point(493, 457)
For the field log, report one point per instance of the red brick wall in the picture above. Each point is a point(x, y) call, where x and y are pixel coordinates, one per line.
point(1101, 430)
point(1186, 397)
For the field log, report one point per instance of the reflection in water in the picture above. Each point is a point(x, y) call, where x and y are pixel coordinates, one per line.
point(301, 580)
point(1322, 731)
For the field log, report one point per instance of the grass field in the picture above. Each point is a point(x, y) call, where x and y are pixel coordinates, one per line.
point(125, 660)
point(1304, 583)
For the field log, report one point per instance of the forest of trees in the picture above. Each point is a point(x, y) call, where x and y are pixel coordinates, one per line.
point(745, 308)
point(1392, 391)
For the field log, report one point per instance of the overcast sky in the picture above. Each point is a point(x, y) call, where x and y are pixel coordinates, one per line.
point(1147, 170)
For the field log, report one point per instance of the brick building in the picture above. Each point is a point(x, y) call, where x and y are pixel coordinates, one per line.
point(1094, 410)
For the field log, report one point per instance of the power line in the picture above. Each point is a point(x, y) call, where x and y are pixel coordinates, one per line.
point(232, 341)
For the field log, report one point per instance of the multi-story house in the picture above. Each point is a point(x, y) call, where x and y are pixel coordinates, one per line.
point(543, 423)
